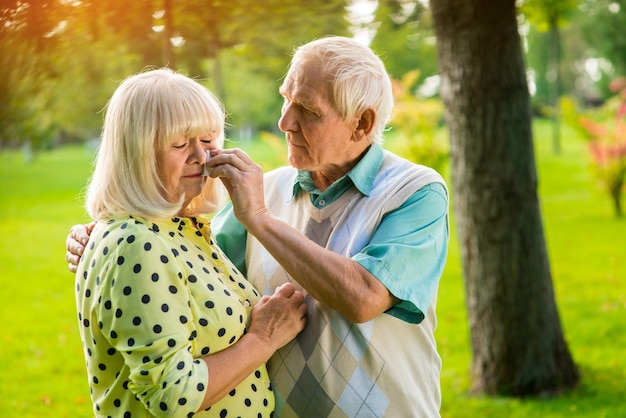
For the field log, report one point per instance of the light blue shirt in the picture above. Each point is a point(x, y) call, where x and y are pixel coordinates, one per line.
point(400, 253)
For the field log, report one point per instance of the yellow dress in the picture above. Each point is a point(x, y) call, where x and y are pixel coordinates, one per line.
point(151, 299)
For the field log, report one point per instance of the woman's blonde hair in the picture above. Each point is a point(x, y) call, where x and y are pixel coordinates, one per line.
point(144, 114)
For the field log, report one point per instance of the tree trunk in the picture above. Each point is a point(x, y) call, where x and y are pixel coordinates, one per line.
point(518, 346)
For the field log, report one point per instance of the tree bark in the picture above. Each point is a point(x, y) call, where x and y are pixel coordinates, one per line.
point(518, 346)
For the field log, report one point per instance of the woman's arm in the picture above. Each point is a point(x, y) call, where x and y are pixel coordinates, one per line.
point(276, 320)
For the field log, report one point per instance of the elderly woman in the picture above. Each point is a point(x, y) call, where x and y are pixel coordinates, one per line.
point(169, 326)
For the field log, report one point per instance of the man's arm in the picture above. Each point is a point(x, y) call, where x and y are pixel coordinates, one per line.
point(339, 282)
point(335, 280)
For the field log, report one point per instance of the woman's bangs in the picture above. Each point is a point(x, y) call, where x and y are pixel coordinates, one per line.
point(202, 116)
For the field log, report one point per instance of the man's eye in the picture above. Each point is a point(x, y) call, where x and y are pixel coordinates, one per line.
point(310, 112)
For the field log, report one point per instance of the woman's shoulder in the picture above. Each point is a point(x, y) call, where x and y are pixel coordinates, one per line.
point(124, 226)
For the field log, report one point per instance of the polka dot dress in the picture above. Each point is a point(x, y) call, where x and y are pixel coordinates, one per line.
point(152, 298)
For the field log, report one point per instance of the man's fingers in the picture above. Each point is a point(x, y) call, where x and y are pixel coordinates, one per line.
point(73, 246)
point(80, 234)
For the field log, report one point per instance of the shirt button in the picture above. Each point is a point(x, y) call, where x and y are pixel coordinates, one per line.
point(321, 202)
point(221, 269)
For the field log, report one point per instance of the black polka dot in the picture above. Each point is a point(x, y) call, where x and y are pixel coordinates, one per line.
point(145, 299)
point(147, 246)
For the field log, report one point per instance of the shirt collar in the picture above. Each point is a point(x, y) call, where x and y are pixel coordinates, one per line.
point(362, 174)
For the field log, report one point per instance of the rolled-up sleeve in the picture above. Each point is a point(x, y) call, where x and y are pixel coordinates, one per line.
point(408, 251)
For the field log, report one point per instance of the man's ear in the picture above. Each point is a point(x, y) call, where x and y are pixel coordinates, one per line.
point(365, 124)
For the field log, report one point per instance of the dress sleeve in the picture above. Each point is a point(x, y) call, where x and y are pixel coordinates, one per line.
point(407, 252)
point(145, 312)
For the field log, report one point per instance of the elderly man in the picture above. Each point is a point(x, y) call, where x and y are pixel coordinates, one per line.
point(362, 231)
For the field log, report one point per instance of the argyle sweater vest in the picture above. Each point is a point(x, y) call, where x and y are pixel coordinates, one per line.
point(382, 368)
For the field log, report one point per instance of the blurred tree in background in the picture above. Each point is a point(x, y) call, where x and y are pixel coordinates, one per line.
point(61, 60)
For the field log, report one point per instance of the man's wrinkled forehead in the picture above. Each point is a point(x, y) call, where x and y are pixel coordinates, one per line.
point(305, 80)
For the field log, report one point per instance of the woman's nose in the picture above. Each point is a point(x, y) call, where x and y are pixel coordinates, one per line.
point(198, 154)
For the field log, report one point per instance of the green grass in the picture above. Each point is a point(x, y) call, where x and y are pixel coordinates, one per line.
point(41, 364)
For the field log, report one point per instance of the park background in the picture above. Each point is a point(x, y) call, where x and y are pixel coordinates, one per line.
point(62, 60)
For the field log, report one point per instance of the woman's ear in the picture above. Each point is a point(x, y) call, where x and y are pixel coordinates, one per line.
point(365, 124)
